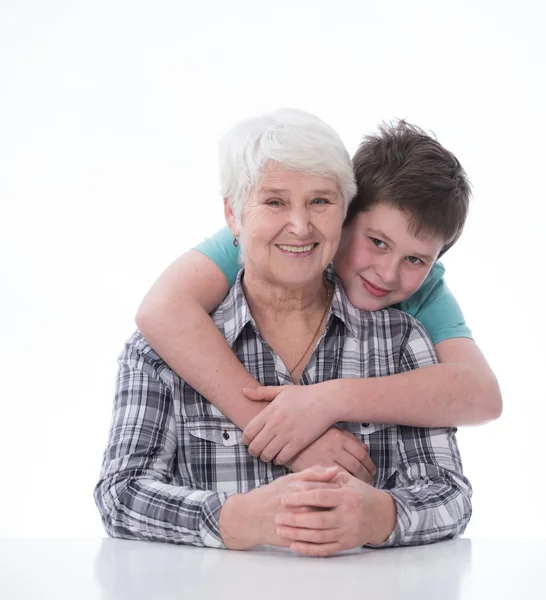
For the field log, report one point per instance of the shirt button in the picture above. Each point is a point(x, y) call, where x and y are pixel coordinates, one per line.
point(225, 435)
point(365, 424)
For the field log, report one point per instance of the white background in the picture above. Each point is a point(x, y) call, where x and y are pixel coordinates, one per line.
point(110, 114)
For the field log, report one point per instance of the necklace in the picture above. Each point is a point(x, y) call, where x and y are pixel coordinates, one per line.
point(329, 292)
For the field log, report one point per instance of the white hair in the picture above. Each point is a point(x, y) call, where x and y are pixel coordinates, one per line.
point(292, 138)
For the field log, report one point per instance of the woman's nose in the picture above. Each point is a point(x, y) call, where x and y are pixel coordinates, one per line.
point(300, 222)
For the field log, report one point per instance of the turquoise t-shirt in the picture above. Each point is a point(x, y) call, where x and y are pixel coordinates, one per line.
point(432, 304)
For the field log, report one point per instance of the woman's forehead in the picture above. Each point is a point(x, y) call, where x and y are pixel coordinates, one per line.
point(277, 178)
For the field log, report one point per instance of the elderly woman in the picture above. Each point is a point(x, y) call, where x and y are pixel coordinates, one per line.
point(176, 469)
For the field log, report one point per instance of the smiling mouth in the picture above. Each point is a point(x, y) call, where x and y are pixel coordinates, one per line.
point(373, 289)
point(297, 249)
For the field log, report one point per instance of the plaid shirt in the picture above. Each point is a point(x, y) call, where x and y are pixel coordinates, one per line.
point(173, 459)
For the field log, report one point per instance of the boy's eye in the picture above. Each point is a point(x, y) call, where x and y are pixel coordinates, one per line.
point(414, 260)
point(378, 243)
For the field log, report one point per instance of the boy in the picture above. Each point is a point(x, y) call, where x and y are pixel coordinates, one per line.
point(410, 208)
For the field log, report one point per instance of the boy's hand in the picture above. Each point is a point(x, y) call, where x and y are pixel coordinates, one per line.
point(296, 416)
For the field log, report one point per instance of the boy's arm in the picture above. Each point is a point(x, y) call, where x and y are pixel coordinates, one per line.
point(174, 319)
point(460, 390)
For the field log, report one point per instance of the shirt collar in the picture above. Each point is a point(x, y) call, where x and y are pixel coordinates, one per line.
point(341, 307)
point(234, 313)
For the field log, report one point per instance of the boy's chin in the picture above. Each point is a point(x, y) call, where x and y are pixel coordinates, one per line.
point(369, 305)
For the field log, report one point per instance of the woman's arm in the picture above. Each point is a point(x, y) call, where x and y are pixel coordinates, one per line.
point(135, 495)
point(174, 319)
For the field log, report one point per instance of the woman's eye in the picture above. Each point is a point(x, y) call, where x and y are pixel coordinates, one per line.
point(321, 201)
point(414, 260)
point(378, 243)
point(273, 202)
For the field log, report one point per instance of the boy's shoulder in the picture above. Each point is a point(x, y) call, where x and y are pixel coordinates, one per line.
point(432, 283)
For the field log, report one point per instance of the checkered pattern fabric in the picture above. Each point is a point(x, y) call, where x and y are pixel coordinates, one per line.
point(172, 458)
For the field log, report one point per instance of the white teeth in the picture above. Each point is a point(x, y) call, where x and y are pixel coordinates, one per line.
point(297, 249)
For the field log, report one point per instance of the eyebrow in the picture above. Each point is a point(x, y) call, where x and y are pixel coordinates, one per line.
point(379, 233)
point(270, 190)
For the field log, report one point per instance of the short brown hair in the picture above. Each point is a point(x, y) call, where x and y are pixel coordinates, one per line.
point(404, 166)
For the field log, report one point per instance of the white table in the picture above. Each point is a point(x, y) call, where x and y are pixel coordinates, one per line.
point(124, 570)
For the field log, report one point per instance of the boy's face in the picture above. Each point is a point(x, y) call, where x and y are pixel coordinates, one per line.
point(379, 261)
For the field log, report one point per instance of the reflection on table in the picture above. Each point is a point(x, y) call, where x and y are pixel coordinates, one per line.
point(127, 572)
point(111, 569)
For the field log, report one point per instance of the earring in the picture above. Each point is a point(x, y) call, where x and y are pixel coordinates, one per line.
point(235, 241)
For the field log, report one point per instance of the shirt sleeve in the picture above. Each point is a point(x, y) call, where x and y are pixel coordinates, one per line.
point(135, 494)
point(432, 496)
point(220, 249)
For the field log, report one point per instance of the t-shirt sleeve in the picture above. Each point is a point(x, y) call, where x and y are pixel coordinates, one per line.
point(220, 249)
point(442, 316)
point(437, 309)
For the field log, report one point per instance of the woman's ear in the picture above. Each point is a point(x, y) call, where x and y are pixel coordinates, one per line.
point(230, 218)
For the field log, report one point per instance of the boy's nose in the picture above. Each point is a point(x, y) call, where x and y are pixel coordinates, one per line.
point(388, 271)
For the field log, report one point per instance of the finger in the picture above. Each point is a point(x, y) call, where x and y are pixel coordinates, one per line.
point(317, 519)
point(307, 486)
point(254, 428)
point(346, 433)
point(317, 473)
point(315, 536)
point(348, 462)
point(320, 498)
point(342, 478)
point(316, 549)
point(360, 452)
point(286, 454)
point(369, 465)
point(272, 449)
point(354, 467)
point(263, 393)
point(260, 442)
point(364, 475)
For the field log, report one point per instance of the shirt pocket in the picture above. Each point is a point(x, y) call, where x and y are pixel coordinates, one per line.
point(217, 458)
point(363, 430)
point(216, 431)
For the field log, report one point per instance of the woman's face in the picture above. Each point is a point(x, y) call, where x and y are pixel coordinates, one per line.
point(290, 226)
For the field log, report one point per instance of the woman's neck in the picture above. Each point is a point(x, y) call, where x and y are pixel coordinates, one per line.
point(290, 320)
point(273, 302)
